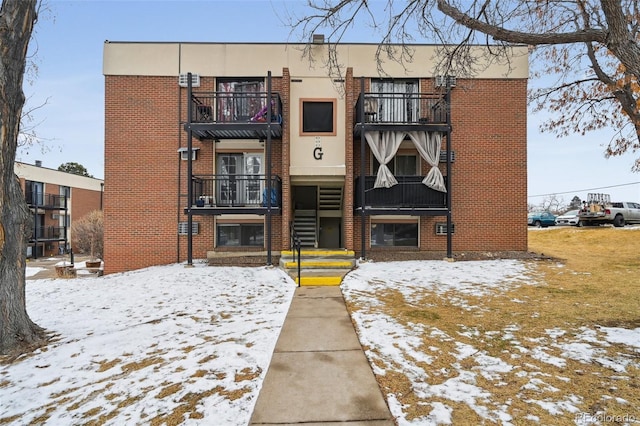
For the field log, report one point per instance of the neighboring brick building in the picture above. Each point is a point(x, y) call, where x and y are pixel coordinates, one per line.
point(264, 120)
point(56, 199)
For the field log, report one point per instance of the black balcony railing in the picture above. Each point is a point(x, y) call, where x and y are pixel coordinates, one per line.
point(234, 107)
point(235, 191)
point(402, 108)
point(409, 193)
point(48, 233)
point(53, 201)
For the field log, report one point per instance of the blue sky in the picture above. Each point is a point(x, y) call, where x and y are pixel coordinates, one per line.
point(68, 43)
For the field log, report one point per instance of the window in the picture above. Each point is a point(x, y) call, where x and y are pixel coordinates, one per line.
point(35, 193)
point(394, 234)
point(240, 234)
point(397, 100)
point(241, 181)
point(184, 226)
point(441, 228)
point(240, 99)
point(64, 200)
point(318, 116)
point(400, 165)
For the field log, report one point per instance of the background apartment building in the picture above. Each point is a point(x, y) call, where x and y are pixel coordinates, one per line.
point(56, 199)
point(408, 165)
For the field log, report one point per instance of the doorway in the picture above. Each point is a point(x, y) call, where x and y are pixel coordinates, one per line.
point(317, 215)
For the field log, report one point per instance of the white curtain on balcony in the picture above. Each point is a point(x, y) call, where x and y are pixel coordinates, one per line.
point(428, 145)
point(384, 146)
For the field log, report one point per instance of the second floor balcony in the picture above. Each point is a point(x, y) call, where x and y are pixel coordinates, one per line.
point(236, 115)
point(410, 197)
point(235, 194)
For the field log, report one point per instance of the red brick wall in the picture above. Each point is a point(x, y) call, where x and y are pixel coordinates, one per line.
point(489, 175)
point(142, 134)
point(145, 190)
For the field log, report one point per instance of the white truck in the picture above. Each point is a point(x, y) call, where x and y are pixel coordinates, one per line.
point(598, 210)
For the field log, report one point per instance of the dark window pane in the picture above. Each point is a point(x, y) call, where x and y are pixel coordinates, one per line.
point(252, 235)
point(317, 117)
point(240, 235)
point(394, 234)
point(406, 234)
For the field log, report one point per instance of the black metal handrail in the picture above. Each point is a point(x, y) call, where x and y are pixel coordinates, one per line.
point(410, 192)
point(233, 107)
point(296, 246)
point(235, 190)
point(402, 108)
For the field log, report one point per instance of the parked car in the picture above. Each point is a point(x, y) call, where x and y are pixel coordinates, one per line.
point(569, 218)
point(541, 219)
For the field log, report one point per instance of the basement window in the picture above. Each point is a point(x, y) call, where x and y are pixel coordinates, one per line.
point(240, 234)
point(394, 234)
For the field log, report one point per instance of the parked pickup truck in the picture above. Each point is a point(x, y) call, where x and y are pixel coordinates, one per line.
point(598, 210)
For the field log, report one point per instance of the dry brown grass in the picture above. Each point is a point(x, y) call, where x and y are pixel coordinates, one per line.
point(590, 281)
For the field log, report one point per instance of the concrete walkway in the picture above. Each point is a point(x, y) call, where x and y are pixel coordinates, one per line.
point(319, 373)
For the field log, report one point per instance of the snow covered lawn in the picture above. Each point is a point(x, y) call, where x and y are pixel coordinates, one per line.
point(451, 343)
point(463, 343)
point(156, 345)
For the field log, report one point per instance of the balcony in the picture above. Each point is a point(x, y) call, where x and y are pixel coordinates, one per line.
point(48, 233)
point(46, 201)
point(402, 111)
point(235, 115)
point(410, 197)
point(234, 194)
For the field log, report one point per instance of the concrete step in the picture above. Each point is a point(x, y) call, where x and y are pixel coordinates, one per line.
point(319, 277)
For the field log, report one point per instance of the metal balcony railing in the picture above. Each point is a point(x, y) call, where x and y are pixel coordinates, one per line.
point(235, 191)
point(402, 108)
point(48, 233)
point(235, 107)
point(53, 201)
point(409, 193)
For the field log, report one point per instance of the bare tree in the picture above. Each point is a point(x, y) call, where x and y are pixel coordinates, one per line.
point(553, 203)
point(588, 49)
point(87, 234)
point(17, 332)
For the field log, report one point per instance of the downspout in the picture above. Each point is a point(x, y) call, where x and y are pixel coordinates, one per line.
point(449, 222)
point(268, 169)
point(189, 171)
point(363, 228)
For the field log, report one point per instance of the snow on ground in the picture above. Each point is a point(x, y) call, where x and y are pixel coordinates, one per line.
point(148, 345)
point(192, 346)
point(473, 376)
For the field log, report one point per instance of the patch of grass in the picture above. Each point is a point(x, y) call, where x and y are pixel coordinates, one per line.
point(588, 278)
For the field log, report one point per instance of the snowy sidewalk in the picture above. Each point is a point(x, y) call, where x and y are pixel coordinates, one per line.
point(319, 372)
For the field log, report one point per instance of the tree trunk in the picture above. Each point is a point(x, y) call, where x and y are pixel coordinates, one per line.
point(17, 332)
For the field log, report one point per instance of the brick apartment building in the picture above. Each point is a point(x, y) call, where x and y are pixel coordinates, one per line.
point(277, 145)
point(56, 199)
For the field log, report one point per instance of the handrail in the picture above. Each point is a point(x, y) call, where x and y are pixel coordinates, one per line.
point(296, 245)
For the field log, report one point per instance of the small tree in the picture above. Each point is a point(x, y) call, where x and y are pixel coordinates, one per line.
point(87, 234)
